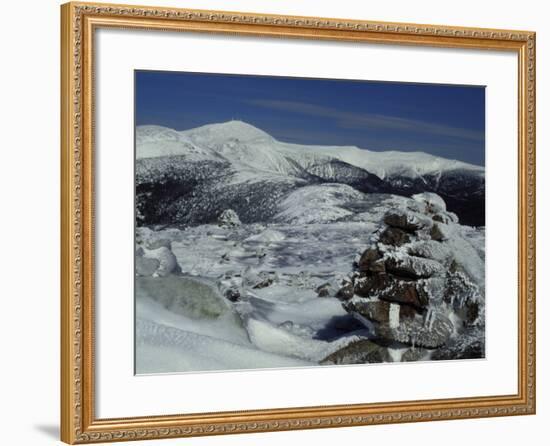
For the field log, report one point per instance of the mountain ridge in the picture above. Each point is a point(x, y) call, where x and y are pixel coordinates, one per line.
point(178, 172)
point(220, 138)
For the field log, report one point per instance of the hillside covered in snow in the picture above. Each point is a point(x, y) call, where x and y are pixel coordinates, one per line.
point(241, 160)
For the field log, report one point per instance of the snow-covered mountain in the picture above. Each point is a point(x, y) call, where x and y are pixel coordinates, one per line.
point(241, 142)
point(242, 159)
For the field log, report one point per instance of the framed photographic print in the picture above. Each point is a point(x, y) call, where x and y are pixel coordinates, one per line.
point(275, 223)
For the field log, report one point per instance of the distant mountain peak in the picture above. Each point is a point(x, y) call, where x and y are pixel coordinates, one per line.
point(227, 131)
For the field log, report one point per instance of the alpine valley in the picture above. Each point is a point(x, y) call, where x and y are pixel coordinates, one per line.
point(257, 253)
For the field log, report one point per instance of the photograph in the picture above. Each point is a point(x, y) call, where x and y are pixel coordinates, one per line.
point(267, 201)
point(295, 222)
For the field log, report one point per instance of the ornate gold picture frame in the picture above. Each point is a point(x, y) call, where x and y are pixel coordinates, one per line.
point(79, 423)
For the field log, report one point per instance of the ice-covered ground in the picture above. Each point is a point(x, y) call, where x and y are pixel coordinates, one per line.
point(247, 296)
point(280, 325)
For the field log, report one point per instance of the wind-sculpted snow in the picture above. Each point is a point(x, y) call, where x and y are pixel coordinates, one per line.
point(317, 204)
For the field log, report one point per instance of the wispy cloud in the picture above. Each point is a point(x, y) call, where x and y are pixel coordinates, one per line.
point(354, 120)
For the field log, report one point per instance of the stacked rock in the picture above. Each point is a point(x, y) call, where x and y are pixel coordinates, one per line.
point(417, 283)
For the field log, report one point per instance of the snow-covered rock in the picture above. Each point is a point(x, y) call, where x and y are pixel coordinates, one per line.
point(156, 262)
point(229, 219)
point(433, 203)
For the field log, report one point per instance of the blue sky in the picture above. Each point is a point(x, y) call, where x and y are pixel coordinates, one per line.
point(444, 120)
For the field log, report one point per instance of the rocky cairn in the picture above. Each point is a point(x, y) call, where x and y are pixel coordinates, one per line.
point(418, 288)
